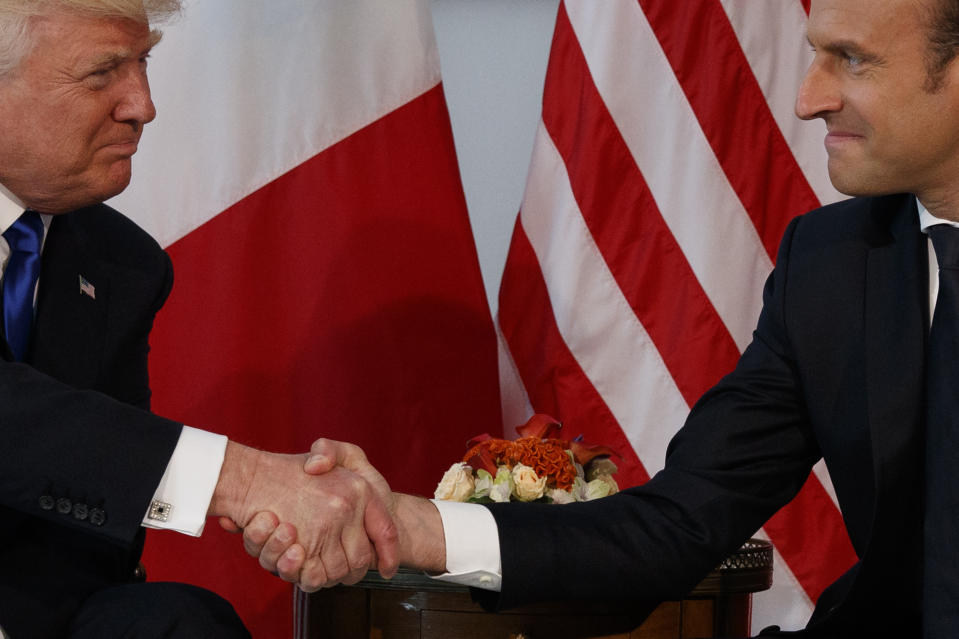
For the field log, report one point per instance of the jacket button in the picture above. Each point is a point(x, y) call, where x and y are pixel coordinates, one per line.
point(47, 502)
point(98, 516)
point(64, 506)
point(80, 511)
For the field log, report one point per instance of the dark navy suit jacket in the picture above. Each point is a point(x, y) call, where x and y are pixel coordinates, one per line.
point(80, 453)
point(834, 370)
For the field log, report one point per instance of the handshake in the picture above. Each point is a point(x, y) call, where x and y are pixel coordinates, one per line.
point(325, 517)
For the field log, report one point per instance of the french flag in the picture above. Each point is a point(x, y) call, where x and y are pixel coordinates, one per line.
point(301, 174)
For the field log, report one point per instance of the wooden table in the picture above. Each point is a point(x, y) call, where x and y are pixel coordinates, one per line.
point(412, 605)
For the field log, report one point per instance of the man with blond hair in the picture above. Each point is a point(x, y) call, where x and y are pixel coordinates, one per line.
point(85, 465)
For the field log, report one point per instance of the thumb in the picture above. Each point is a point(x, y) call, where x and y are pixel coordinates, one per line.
point(327, 454)
point(384, 536)
point(229, 525)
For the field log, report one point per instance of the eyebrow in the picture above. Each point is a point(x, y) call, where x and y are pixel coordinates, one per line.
point(115, 58)
point(111, 59)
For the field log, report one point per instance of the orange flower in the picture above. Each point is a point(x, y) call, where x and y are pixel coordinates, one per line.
point(535, 448)
point(548, 457)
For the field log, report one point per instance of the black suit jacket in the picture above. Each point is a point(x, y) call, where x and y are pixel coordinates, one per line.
point(834, 370)
point(82, 455)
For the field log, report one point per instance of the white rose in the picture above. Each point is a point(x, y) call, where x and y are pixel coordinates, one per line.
point(527, 485)
point(502, 485)
point(560, 496)
point(596, 489)
point(579, 489)
point(457, 483)
point(613, 486)
point(482, 484)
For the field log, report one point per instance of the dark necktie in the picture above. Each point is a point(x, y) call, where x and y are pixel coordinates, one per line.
point(25, 238)
point(940, 607)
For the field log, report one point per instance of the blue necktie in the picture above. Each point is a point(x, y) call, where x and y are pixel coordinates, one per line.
point(25, 238)
point(940, 606)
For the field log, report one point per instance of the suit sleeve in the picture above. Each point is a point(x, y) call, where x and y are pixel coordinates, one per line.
point(745, 451)
point(77, 451)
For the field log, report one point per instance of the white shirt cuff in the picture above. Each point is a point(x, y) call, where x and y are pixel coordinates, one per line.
point(472, 545)
point(183, 497)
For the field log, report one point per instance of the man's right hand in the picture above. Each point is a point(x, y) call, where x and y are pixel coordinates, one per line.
point(338, 520)
point(422, 543)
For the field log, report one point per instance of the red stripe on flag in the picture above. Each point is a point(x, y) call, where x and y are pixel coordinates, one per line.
point(638, 247)
point(342, 300)
point(705, 54)
point(805, 5)
point(810, 535)
point(554, 381)
point(715, 75)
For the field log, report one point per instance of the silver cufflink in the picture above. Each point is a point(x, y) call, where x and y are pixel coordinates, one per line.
point(159, 510)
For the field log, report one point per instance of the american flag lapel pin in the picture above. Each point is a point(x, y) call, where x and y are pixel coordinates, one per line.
point(86, 288)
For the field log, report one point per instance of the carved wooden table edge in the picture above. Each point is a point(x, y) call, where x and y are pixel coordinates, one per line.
point(728, 589)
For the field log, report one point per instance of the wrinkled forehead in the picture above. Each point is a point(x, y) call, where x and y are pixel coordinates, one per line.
point(67, 31)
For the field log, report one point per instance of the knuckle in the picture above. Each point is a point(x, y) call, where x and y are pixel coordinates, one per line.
point(314, 575)
point(251, 548)
point(359, 489)
point(354, 451)
point(339, 504)
point(266, 564)
point(359, 555)
point(255, 537)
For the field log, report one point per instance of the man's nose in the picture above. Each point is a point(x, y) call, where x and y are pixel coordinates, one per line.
point(818, 94)
point(135, 104)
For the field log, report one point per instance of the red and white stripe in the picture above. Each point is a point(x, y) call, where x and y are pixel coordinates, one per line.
point(667, 165)
point(302, 176)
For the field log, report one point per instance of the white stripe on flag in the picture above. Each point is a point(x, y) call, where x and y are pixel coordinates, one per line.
point(514, 401)
point(593, 316)
point(785, 604)
point(772, 34)
point(658, 125)
point(238, 84)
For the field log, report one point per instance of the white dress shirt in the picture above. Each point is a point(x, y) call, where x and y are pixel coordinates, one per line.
point(183, 496)
point(472, 539)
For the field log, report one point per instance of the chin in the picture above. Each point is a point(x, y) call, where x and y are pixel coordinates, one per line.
point(114, 185)
point(857, 185)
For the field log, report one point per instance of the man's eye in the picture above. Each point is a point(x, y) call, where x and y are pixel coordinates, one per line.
point(98, 79)
point(853, 60)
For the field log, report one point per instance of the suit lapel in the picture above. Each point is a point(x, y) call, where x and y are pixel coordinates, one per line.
point(896, 320)
point(71, 325)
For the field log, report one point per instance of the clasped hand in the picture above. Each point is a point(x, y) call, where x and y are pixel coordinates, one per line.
point(314, 520)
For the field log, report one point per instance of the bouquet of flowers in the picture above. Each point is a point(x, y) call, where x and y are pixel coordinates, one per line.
point(538, 466)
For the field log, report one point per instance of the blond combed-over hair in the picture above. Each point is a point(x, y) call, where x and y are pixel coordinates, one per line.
point(16, 17)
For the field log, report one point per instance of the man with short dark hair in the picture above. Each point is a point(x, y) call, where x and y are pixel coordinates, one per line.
point(842, 366)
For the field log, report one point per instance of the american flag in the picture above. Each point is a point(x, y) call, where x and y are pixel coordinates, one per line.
point(86, 288)
point(666, 166)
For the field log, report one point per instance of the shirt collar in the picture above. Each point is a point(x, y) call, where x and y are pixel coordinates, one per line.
point(927, 219)
point(10, 208)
